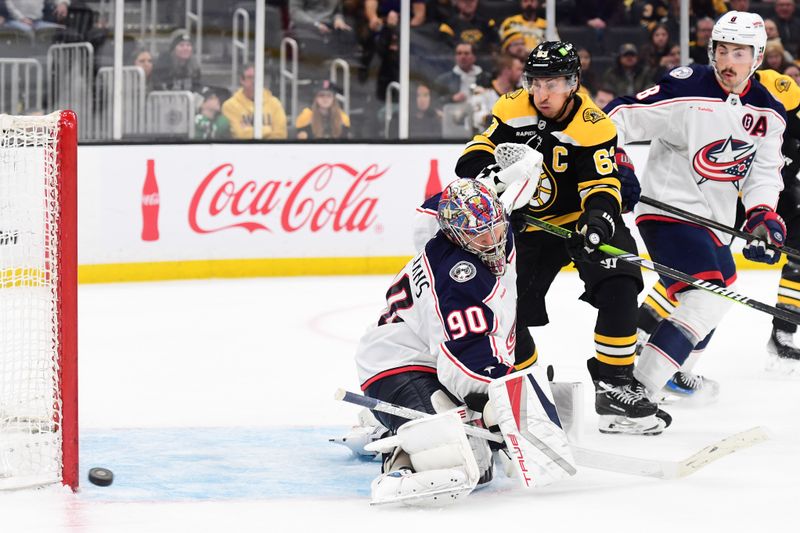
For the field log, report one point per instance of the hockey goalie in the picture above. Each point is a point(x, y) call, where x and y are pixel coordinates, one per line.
point(446, 340)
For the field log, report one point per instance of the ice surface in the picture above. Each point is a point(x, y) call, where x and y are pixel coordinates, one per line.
point(212, 403)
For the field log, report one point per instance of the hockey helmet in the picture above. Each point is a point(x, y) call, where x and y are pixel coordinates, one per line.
point(551, 59)
point(471, 216)
point(739, 27)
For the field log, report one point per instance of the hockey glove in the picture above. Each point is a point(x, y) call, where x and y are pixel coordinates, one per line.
point(594, 227)
point(489, 177)
point(629, 183)
point(769, 229)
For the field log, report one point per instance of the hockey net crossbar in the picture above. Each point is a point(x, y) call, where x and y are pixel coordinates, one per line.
point(38, 300)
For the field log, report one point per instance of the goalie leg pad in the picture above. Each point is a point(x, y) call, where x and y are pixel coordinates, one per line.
point(442, 466)
point(525, 412)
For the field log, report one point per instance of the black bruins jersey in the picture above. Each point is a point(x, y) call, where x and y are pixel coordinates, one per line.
point(578, 154)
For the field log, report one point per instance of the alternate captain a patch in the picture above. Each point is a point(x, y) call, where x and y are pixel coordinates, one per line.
point(463, 271)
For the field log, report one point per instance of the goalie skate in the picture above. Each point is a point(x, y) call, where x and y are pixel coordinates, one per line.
point(782, 354)
point(689, 388)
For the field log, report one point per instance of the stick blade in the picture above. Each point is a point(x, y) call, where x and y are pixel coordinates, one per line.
point(720, 449)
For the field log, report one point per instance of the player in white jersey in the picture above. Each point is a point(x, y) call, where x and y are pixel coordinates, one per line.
point(715, 134)
point(446, 335)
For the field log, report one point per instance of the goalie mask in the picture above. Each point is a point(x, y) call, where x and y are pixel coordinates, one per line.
point(472, 217)
point(739, 27)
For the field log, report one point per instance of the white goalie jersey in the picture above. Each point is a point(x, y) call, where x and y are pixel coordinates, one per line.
point(708, 146)
point(447, 314)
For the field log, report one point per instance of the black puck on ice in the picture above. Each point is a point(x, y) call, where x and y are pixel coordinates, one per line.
point(102, 477)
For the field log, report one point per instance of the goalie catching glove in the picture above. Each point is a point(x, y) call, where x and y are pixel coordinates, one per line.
point(515, 177)
point(768, 227)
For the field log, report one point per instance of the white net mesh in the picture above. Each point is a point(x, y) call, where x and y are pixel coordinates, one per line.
point(30, 402)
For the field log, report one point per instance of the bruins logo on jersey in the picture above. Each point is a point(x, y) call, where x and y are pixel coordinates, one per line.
point(782, 85)
point(545, 194)
point(592, 115)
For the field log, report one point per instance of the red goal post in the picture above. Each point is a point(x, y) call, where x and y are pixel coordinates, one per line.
point(38, 300)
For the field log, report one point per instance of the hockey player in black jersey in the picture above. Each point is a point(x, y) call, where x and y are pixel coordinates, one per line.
point(580, 190)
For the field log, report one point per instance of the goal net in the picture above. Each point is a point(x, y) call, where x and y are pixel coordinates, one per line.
point(38, 301)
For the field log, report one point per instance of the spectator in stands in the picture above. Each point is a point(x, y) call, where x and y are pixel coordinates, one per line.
point(658, 46)
point(144, 59)
point(325, 119)
point(708, 8)
point(739, 5)
point(456, 85)
point(788, 24)
point(773, 36)
point(793, 71)
point(209, 123)
point(323, 22)
point(698, 49)
point(30, 16)
point(178, 69)
point(514, 45)
point(628, 75)
point(774, 58)
point(508, 71)
point(588, 76)
point(4, 15)
point(654, 12)
point(239, 109)
point(670, 61)
point(425, 121)
point(468, 26)
point(387, 12)
point(603, 97)
point(528, 23)
point(597, 14)
point(388, 50)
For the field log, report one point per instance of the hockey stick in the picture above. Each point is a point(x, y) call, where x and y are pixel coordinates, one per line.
point(633, 259)
point(599, 460)
point(691, 217)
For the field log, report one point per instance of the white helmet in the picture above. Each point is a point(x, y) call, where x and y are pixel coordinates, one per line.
point(740, 27)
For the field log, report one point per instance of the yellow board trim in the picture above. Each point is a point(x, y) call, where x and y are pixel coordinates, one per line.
point(240, 268)
point(615, 341)
point(616, 361)
point(304, 266)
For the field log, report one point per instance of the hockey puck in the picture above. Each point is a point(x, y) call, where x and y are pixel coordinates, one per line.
point(101, 477)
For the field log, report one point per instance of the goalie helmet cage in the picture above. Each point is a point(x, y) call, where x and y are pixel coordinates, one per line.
point(38, 301)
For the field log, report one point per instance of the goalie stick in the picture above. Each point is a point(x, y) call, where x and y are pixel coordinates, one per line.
point(596, 459)
point(697, 219)
point(613, 251)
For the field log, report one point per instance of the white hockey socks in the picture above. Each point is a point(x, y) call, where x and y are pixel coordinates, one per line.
point(442, 466)
point(526, 414)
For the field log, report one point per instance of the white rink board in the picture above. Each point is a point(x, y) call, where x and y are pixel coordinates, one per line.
point(253, 201)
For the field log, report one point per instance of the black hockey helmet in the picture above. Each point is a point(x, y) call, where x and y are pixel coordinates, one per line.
point(551, 59)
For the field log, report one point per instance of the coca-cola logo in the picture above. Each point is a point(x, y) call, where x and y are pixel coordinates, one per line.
point(150, 199)
point(316, 201)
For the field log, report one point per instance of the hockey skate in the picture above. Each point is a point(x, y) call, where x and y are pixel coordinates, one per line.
point(689, 388)
point(782, 353)
point(625, 409)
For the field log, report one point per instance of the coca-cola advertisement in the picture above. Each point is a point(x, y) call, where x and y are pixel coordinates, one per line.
point(147, 204)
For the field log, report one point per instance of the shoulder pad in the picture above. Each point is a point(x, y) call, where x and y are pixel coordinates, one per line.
point(512, 105)
point(781, 87)
point(590, 126)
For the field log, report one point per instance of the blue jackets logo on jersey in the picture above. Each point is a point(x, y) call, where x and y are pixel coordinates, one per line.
point(724, 160)
point(463, 271)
